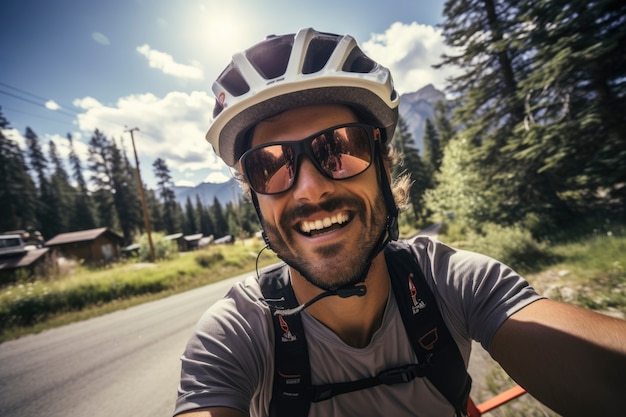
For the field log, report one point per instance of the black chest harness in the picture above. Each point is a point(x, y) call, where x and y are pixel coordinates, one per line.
point(438, 356)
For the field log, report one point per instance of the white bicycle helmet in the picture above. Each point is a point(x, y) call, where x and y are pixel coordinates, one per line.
point(294, 70)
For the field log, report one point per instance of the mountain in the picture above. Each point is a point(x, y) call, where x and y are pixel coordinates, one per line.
point(416, 107)
point(226, 192)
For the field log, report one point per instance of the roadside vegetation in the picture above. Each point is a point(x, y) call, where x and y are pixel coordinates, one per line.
point(78, 292)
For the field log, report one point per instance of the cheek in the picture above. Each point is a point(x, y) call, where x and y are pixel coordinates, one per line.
point(271, 208)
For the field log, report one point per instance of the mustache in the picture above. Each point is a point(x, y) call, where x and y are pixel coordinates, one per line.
point(305, 210)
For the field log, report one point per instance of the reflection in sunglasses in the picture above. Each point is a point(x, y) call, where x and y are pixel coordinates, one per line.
point(340, 152)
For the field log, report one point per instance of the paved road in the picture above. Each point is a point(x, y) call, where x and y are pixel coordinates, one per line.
point(122, 364)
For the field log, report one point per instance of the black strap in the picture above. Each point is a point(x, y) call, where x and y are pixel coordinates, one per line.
point(432, 342)
point(292, 372)
point(391, 376)
point(438, 356)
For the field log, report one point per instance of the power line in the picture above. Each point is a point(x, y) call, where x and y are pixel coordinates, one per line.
point(39, 116)
point(41, 104)
point(64, 110)
point(35, 96)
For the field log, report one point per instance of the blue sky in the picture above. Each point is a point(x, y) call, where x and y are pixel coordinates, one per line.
point(70, 66)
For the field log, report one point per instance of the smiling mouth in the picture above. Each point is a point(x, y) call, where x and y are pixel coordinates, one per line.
point(326, 224)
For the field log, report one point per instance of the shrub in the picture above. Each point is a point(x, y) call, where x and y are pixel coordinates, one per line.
point(512, 245)
point(206, 258)
point(163, 249)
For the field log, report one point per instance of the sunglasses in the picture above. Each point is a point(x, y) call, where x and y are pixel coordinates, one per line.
point(339, 153)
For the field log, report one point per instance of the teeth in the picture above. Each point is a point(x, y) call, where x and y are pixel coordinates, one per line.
point(308, 227)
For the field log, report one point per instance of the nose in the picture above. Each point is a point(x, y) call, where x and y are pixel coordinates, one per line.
point(311, 185)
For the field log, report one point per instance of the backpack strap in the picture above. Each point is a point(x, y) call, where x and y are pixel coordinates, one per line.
point(291, 395)
point(432, 342)
point(438, 355)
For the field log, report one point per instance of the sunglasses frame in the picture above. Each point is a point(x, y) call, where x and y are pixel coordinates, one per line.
point(304, 146)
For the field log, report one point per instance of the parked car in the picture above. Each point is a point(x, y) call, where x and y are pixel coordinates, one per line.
point(11, 245)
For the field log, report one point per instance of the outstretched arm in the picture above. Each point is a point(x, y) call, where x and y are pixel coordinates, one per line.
point(571, 359)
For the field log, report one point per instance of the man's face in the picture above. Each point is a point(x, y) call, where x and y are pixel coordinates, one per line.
point(323, 228)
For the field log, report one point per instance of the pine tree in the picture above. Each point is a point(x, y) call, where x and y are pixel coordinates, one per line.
point(83, 217)
point(62, 193)
point(167, 196)
point(125, 195)
point(191, 224)
point(17, 190)
point(46, 205)
point(490, 107)
point(576, 96)
point(129, 183)
point(231, 213)
point(155, 211)
point(445, 129)
point(205, 223)
point(219, 220)
point(432, 149)
point(101, 176)
point(249, 220)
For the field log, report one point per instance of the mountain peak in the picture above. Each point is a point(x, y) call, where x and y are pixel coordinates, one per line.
point(418, 106)
point(428, 93)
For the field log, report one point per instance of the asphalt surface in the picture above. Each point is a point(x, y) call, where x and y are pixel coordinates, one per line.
point(122, 364)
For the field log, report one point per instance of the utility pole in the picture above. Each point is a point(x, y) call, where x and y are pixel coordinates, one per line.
point(146, 219)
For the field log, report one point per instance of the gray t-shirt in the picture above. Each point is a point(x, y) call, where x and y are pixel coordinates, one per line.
point(229, 360)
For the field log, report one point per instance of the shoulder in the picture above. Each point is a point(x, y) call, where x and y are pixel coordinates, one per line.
point(241, 308)
point(233, 338)
point(476, 293)
point(463, 270)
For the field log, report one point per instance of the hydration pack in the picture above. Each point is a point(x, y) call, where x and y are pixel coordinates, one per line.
point(438, 356)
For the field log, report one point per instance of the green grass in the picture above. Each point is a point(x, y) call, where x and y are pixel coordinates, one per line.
point(594, 271)
point(34, 305)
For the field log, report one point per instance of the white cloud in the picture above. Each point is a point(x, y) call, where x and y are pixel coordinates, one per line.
point(217, 177)
point(100, 38)
point(63, 146)
point(52, 105)
point(170, 127)
point(86, 103)
point(409, 51)
point(15, 135)
point(185, 183)
point(165, 62)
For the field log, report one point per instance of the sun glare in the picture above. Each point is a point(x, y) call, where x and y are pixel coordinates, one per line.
point(220, 29)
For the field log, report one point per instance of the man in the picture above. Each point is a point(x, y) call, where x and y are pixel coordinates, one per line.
point(307, 119)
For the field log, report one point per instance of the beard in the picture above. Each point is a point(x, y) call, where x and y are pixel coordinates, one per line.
point(343, 264)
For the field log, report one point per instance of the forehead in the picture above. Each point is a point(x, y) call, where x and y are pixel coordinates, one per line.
point(301, 122)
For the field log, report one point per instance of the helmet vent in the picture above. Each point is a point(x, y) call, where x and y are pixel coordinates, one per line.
point(270, 57)
point(319, 51)
point(217, 109)
point(358, 62)
point(233, 82)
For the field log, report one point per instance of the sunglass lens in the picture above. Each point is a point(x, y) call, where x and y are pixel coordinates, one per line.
point(339, 153)
point(270, 169)
point(343, 152)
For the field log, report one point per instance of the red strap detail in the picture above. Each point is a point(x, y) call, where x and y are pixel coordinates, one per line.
point(429, 339)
